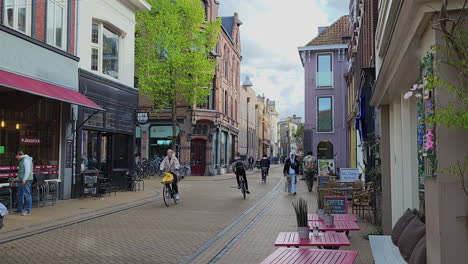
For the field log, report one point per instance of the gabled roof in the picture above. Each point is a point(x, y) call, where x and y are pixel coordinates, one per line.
point(227, 23)
point(333, 34)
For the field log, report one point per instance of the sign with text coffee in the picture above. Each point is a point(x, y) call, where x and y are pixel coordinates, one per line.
point(339, 204)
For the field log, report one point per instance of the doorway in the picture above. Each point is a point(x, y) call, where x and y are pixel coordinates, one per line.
point(198, 157)
point(325, 150)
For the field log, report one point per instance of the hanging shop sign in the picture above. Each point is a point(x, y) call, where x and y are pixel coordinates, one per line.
point(142, 117)
point(30, 140)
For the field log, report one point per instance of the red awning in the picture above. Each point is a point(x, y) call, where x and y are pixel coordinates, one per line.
point(32, 86)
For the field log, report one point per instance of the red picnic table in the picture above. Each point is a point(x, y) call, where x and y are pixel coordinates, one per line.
point(311, 256)
point(337, 226)
point(338, 217)
point(328, 239)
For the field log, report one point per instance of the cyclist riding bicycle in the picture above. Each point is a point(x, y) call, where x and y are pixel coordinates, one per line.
point(171, 164)
point(239, 167)
point(265, 164)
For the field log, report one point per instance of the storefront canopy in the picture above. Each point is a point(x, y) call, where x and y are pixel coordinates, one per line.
point(32, 86)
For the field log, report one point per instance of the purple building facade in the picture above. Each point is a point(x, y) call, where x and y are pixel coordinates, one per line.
point(325, 62)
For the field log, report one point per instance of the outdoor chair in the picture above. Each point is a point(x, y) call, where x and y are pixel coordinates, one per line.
point(52, 194)
point(39, 188)
point(362, 201)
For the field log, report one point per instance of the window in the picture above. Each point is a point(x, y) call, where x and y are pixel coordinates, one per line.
point(225, 103)
point(324, 70)
point(105, 46)
point(325, 114)
point(17, 15)
point(56, 23)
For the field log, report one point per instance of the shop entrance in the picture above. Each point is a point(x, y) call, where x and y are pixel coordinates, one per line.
point(198, 157)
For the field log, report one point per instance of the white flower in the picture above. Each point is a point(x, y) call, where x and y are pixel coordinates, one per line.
point(408, 95)
point(421, 86)
point(418, 95)
point(415, 86)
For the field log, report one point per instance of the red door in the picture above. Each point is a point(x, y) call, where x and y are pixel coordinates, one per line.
point(198, 157)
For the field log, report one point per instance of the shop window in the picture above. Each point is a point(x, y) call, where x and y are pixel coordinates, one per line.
point(325, 114)
point(17, 15)
point(105, 47)
point(30, 124)
point(56, 21)
point(324, 76)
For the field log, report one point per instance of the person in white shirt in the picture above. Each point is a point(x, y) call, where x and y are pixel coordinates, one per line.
point(291, 169)
point(171, 164)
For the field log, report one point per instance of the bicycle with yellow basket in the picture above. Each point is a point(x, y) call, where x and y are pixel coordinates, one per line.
point(168, 193)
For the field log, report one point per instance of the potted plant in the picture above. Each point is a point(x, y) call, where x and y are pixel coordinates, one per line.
point(329, 219)
point(300, 207)
point(320, 210)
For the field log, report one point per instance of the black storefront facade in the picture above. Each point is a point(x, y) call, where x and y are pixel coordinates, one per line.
point(105, 139)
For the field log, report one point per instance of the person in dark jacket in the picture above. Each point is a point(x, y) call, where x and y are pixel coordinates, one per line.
point(265, 163)
point(291, 169)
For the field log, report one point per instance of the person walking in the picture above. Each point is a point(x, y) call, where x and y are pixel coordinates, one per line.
point(251, 162)
point(239, 167)
point(291, 169)
point(171, 164)
point(25, 178)
point(310, 168)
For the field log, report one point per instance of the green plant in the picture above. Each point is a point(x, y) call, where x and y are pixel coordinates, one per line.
point(329, 207)
point(300, 207)
point(459, 171)
point(320, 199)
point(174, 60)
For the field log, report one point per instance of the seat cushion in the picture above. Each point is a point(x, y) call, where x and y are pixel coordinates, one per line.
point(419, 252)
point(400, 225)
point(415, 230)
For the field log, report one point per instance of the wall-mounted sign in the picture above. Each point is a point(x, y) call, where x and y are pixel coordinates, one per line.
point(162, 131)
point(2, 149)
point(30, 140)
point(349, 174)
point(142, 117)
point(69, 154)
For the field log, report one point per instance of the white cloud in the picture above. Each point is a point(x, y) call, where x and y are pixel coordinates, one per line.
point(271, 32)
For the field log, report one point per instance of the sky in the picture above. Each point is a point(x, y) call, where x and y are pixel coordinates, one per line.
point(272, 31)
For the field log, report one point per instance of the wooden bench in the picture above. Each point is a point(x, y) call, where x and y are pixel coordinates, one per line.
point(384, 251)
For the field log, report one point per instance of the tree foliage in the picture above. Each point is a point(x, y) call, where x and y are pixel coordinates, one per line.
point(172, 54)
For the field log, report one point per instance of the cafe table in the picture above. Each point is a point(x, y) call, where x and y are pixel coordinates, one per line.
point(337, 217)
point(328, 239)
point(311, 256)
point(337, 226)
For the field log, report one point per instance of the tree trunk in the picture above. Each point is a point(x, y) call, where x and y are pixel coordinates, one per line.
point(174, 125)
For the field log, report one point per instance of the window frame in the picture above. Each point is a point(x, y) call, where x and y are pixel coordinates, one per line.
point(64, 6)
point(28, 23)
point(100, 48)
point(317, 70)
point(332, 101)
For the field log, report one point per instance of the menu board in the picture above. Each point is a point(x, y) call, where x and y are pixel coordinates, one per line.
point(339, 204)
point(349, 174)
point(90, 184)
point(326, 167)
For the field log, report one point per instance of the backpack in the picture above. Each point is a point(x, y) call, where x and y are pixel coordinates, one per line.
point(239, 166)
point(309, 163)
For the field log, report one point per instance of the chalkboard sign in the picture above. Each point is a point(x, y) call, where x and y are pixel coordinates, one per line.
point(349, 174)
point(339, 203)
point(322, 180)
point(90, 180)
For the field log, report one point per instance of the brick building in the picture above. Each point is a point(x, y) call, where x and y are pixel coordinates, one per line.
point(39, 94)
point(207, 136)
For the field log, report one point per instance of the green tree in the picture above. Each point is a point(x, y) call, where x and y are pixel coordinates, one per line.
point(172, 54)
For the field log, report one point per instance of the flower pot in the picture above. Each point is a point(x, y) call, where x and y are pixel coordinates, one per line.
point(321, 213)
point(303, 232)
point(329, 220)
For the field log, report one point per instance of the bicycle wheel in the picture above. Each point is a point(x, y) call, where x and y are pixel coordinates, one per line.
point(166, 194)
point(174, 197)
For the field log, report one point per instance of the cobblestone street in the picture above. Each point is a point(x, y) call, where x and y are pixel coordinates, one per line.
point(211, 224)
